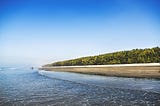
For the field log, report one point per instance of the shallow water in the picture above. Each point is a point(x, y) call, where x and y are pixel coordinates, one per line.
point(22, 86)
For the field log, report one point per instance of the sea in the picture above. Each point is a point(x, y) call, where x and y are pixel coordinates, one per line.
point(23, 86)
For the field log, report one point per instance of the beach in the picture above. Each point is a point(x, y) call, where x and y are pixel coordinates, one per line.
point(22, 86)
point(146, 70)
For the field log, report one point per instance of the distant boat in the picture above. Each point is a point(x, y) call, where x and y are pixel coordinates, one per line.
point(32, 68)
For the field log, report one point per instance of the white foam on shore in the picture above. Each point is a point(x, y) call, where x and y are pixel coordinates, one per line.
point(115, 65)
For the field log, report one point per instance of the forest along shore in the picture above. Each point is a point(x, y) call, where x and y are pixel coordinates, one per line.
point(146, 70)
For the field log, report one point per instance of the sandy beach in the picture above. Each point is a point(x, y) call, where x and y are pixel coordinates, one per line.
point(147, 70)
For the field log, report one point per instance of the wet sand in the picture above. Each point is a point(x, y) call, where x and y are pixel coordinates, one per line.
point(149, 70)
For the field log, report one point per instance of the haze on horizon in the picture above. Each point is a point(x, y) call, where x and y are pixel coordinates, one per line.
point(43, 31)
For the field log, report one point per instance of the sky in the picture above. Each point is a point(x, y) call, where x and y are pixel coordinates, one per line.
point(44, 31)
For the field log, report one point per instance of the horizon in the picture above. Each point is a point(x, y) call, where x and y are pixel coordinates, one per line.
point(40, 32)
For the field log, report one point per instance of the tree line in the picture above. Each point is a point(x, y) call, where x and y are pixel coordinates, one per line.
point(149, 55)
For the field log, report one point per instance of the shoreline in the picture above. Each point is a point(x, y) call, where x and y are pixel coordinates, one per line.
point(145, 70)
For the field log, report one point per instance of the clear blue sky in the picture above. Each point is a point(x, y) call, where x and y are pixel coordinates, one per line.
point(43, 31)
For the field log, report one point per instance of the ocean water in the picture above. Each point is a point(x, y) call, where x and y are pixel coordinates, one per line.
point(21, 86)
